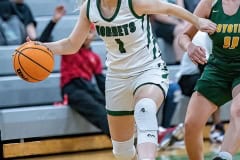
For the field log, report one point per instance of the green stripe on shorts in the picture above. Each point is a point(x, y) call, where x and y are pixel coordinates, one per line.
point(120, 113)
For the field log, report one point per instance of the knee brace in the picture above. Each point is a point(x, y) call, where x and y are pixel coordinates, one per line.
point(124, 150)
point(146, 121)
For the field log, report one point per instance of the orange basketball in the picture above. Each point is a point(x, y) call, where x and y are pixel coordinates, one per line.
point(33, 62)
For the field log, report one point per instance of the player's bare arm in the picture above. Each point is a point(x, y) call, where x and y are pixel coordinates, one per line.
point(160, 7)
point(75, 40)
point(203, 10)
point(196, 53)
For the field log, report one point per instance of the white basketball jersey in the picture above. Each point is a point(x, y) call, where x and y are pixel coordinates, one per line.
point(128, 37)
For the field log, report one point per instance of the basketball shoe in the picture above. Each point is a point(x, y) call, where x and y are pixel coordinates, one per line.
point(217, 133)
point(171, 136)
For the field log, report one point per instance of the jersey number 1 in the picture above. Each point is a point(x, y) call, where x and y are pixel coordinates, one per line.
point(120, 45)
point(231, 42)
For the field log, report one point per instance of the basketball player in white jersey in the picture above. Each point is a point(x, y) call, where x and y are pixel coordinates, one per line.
point(137, 78)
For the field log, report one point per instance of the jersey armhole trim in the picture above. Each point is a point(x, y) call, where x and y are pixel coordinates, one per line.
point(88, 9)
point(132, 10)
point(214, 2)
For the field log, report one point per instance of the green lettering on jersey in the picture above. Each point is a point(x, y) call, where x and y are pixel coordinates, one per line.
point(98, 30)
point(102, 31)
point(125, 28)
point(132, 27)
point(116, 31)
point(120, 45)
point(120, 31)
point(108, 32)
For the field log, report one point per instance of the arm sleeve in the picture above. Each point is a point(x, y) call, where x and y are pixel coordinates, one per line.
point(46, 34)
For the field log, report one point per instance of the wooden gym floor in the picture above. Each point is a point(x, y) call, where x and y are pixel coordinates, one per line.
point(77, 148)
point(175, 154)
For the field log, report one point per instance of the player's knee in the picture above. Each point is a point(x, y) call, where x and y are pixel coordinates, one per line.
point(146, 121)
point(124, 150)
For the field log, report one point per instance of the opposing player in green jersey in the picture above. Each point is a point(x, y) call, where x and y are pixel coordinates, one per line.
point(137, 78)
point(220, 81)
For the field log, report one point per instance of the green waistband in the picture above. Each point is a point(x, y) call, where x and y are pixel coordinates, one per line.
point(120, 113)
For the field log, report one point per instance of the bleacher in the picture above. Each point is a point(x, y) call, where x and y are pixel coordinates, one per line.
point(27, 110)
point(27, 114)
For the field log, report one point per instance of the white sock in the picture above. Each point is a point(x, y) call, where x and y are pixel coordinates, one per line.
point(225, 155)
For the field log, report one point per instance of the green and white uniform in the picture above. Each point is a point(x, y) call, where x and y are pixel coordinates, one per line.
point(222, 72)
point(131, 50)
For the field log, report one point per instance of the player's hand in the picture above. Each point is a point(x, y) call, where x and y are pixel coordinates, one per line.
point(28, 40)
point(206, 25)
point(59, 12)
point(197, 54)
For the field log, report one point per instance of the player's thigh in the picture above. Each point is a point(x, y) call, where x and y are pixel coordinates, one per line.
point(151, 91)
point(152, 84)
point(236, 86)
point(119, 104)
point(199, 110)
point(119, 96)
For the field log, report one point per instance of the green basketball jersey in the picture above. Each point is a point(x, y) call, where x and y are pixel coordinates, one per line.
point(226, 42)
point(222, 72)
